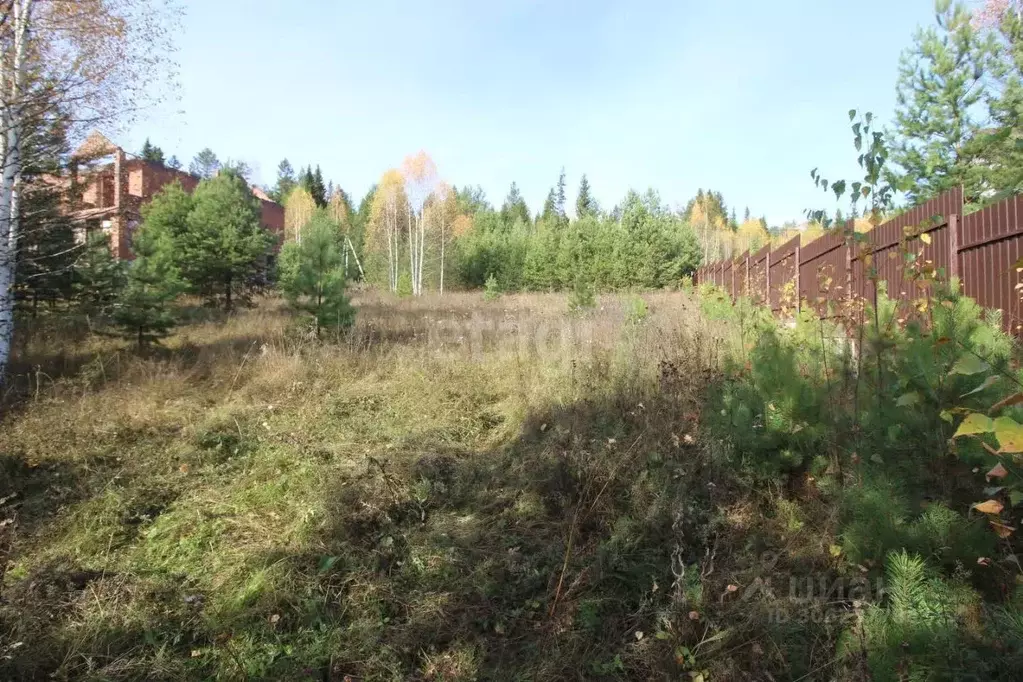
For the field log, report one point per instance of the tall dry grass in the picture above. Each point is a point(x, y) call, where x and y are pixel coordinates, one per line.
point(247, 501)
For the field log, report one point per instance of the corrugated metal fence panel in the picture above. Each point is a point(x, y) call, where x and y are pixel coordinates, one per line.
point(822, 271)
point(887, 243)
point(889, 261)
point(991, 241)
point(740, 274)
point(783, 272)
point(758, 275)
point(990, 244)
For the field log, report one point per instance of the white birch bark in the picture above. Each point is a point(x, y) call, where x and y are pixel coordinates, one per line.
point(11, 79)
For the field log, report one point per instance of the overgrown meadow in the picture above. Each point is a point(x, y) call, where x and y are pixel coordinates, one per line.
point(662, 486)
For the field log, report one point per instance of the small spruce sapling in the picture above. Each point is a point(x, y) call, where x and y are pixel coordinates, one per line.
point(143, 308)
point(97, 277)
point(491, 290)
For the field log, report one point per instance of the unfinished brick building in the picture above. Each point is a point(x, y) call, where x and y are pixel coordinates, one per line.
point(110, 186)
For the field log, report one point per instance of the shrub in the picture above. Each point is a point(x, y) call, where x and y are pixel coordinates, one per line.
point(582, 297)
point(491, 291)
point(637, 311)
point(404, 287)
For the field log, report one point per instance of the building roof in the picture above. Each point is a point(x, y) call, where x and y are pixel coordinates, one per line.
point(97, 145)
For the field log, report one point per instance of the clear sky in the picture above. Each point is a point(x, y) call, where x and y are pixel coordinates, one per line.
point(744, 97)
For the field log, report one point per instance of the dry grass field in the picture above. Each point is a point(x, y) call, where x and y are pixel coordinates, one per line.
point(459, 489)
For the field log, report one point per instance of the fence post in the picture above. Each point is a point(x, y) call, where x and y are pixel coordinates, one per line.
point(848, 269)
point(767, 277)
point(747, 272)
point(953, 245)
point(799, 298)
point(731, 261)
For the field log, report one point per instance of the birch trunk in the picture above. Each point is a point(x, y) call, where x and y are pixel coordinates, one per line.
point(422, 247)
point(411, 251)
point(10, 120)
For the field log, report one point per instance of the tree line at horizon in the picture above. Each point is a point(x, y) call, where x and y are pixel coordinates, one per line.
point(960, 99)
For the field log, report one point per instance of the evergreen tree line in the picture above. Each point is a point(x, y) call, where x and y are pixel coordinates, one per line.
point(639, 244)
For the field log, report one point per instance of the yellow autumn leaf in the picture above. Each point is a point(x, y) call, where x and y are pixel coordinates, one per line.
point(975, 423)
point(989, 507)
point(1009, 434)
point(925, 238)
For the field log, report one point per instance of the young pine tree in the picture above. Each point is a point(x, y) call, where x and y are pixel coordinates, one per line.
point(205, 164)
point(312, 275)
point(285, 181)
point(97, 277)
point(46, 248)
point(151, 153)
point(585, 205)
point(165, 219)
point(142, 310)
point(939, 92)
point(319, 190)
point(514, 208)
point(224, 242)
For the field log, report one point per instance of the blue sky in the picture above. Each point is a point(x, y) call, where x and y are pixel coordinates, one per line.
point(744, 97)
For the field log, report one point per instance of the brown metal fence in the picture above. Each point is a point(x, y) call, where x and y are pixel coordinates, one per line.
point(981, 249)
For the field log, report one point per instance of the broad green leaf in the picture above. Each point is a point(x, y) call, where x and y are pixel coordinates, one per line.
point(852, 114)
point(974, 424)
point(990, 381)
point(946, 416)
point(1009, 435)
point(969, 364)
point(1015, 497)
point(908, 399)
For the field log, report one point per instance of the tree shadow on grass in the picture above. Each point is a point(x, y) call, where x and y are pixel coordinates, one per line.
point(557, 554)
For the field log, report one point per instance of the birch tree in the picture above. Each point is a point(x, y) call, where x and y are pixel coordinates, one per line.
point(102, 61)
point(420, 175)
point(442, 213)
point(339, 211)
point(299, 206)
point(389, 203)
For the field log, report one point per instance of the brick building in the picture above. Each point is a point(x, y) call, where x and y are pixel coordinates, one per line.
point(110, 186)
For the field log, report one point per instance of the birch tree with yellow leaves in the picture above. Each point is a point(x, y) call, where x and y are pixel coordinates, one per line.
point(442, 213)
point(390, 205)
point(751, 236)
point(421, 184)
point(299, 207)
point(710, 230)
